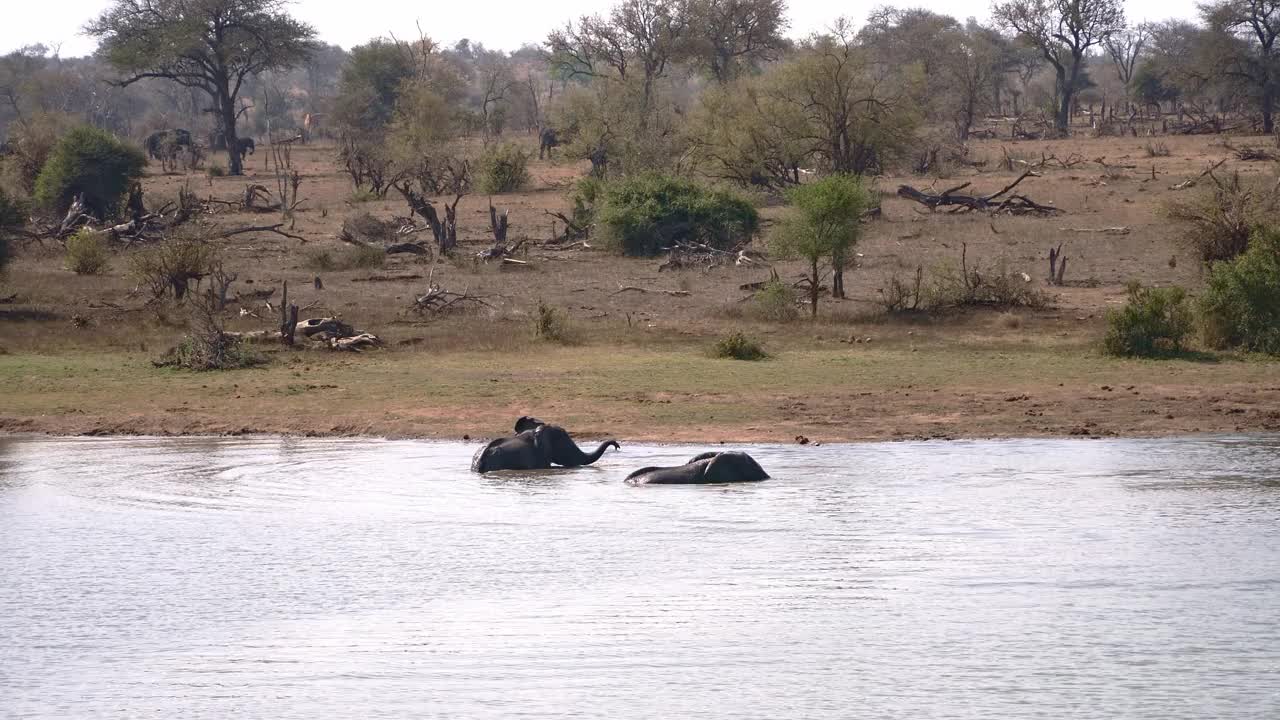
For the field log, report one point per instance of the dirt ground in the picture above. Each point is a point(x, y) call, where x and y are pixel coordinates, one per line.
point(77, 349)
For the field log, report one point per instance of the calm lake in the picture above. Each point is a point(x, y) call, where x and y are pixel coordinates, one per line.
point(290, 578)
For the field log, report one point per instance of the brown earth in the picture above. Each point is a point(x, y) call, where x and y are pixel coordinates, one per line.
point(77, 349)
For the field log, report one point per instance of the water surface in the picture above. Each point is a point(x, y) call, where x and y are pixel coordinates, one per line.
point(282, 578)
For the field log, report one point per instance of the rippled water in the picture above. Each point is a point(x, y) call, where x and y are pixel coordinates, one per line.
point(319, 579)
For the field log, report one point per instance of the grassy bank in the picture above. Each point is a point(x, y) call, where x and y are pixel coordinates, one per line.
point(670, 394)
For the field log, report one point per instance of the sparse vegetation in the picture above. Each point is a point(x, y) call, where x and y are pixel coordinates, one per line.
point(87, 252)
point(348, 258)
point(92, 162)
point(738, 346)
point(1222, 217)
point(1156, 149)
point(172, 266)
point(776, 302)
point(550, 325)
point(503, 168)
point(964, 286)
point(215, 170)
point(649, 213)
point(1155, 322)
point(1240, 308)
point(208, 346)
point(12, 216)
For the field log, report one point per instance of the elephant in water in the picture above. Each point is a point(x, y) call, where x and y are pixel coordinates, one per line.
point(535, 446)
point(709, 467)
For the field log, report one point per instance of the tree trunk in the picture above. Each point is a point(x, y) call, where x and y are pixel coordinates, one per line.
point(227, 108)
point(813, 289)
point(1268, 108)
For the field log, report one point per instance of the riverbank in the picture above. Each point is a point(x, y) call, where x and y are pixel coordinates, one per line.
point(675, 394)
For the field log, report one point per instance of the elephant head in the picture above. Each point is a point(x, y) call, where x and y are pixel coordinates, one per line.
point(707, 468)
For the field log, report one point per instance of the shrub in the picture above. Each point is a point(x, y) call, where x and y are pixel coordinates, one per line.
point(357, 256)
point(503, 169)
point(648, 213)
point(1241, 305)
point(899, 296)
point(87, 252)
point(776, 301)
point(171, 266)
point(549, 324)
point(1220, 220)
point(972, 286)
point(209, 347)
point(32, 144)
point(215, 170)
point(1157, 149)
point(739, 347)
point(1155, 322)
point(93, 162)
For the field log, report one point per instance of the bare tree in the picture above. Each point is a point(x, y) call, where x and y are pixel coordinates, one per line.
point(1245, 47)
point(1063, 31)
point(1125, 48)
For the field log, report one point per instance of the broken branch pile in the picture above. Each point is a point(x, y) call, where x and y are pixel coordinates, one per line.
point(992, 204)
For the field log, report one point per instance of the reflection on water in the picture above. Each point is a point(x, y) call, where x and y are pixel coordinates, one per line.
point(310, 579)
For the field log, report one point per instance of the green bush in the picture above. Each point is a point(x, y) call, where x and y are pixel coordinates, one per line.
point(12, 217)
point(87, 252)
point(1241, 305)
point(503, 169)
point(1155, 322)
point(738, 347)
point(215, 170)
point(648, 213)
point(90, 161)
point(776, 301)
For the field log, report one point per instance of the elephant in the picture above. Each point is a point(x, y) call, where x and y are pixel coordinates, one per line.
point(166, 142)
point(247, 146)
point(709, 467)
point(547, 141)
point(535, 446)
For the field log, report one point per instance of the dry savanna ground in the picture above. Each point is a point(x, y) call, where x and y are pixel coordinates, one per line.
point(77, 350)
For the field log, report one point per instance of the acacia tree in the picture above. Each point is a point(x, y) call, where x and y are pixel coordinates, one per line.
point(1246, 47)
point(1063, 31)
point(210, 45)
point(731, 36)
point(825, 223)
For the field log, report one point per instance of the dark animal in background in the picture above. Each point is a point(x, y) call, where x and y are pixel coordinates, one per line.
point(710, 467)
point(546, 141)
point(247, 146)
point(167, 140)
point(535, 446)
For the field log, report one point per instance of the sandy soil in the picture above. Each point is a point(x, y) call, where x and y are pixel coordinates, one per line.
point(77, 348)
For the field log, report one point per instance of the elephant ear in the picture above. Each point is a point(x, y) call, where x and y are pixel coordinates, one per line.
point(527, 422)
point(703, 456)
point(477, 462)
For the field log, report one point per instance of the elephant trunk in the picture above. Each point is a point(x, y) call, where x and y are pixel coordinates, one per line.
point(588, 459)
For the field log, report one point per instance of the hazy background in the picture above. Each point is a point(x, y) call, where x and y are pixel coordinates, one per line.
point(499, 25)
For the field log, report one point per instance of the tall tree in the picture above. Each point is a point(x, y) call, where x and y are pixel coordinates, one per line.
point(1126, 48)
point(1063, 31)
point(1253, 59)
point(210, 45)
point(729, 37)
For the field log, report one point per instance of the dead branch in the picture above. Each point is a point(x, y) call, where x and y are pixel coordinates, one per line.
point(258, 228)
point(631, 288)
point(1192, 181)
point(438, 301)
point(1013, 204)
point(1120, 230)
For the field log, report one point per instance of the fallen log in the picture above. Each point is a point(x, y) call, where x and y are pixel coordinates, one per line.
point(633, 288)
point(355, 343)
point(992, 204)
point(388, 278)
point(1120, 230)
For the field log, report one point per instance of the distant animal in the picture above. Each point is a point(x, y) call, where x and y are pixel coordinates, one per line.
point(535, 446)
point(247, 146)
point(8, 147)
point(164, 144)
point(709, 467)
point(546, 141)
